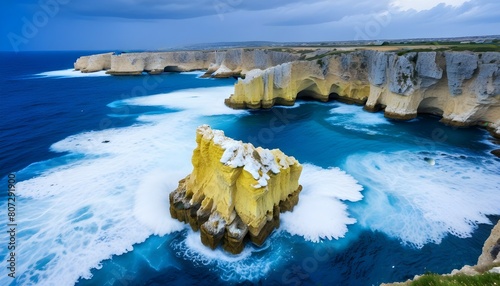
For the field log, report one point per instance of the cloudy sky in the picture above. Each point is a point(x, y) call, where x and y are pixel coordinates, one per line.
point(160, 24)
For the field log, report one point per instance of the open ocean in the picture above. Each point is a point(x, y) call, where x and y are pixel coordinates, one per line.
point(95, 157)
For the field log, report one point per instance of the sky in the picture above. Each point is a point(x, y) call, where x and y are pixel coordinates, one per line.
point(162, 24)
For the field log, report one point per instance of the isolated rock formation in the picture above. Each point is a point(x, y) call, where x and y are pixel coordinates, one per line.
point(236, 191)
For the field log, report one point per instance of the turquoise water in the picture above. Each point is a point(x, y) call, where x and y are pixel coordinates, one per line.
point(382, 201)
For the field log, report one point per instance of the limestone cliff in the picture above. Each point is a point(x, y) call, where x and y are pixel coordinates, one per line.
point(491, 249)
point(93, 63)
point(224, 63)
point(235, 190)
point(462, 87)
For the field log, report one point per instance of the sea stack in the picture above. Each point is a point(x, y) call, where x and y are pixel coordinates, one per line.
point(236, 191)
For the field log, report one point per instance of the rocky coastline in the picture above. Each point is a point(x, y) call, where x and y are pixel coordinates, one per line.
point(463, 88)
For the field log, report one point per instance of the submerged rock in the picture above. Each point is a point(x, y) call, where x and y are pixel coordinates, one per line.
point(496, 152)
point(430, 161)
point(236, 191)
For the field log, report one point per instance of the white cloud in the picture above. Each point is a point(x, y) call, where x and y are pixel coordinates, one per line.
point(421, 5)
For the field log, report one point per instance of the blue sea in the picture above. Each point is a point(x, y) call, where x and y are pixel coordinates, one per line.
point(95, 157)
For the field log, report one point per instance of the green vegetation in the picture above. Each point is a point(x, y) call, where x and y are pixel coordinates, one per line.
point(423, 43)
point(309, 52)
point(283, 50)
point(319, 57)
point(480, 48)
point(488, 46)
point(476, 47)
point(405, 51)
point(320, 63)
point(306, 51)
point(456, 280)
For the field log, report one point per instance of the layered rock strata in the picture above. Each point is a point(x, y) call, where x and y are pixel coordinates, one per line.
point(461, 87)
point(236, 191)
point(225, 63)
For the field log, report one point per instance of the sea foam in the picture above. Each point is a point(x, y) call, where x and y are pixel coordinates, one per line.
point(417, 202)
point(112, 196)
point(115, 194)
point(321, 213)
point(211, 102)
point(250, 265)
point(70, 73)
point(353, 118)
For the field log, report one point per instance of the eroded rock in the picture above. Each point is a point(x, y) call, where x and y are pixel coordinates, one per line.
point(236, 191)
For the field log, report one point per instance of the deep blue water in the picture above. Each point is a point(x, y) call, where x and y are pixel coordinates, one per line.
point(83, 150)
point(39, 111)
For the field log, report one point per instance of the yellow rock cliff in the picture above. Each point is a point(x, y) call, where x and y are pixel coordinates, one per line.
point(236, 191)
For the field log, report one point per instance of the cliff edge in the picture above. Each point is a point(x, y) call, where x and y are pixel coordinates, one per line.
point(236, 191)
point(218, 64)
point(491, 249)
point(461, 87)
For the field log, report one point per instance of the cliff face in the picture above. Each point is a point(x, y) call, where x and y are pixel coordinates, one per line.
point(235, 190)
point(240, 61)
point(136, 63)
point(462, 87)
point(491, 248)
point(93, 63)
point(217, 63)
